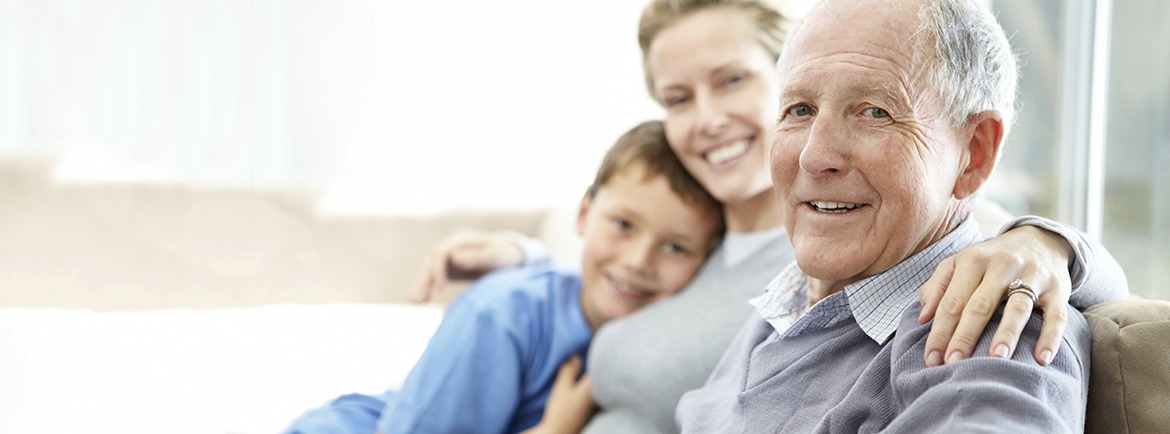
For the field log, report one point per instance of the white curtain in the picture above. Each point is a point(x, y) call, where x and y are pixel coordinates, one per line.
point(384, 106)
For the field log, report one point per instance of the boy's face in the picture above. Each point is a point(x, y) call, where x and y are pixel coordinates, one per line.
point(642, 244)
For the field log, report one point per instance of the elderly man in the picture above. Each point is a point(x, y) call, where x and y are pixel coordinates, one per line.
point(893, 113)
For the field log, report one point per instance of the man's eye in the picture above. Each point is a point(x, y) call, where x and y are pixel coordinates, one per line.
point(800, 110)
point(877, 113)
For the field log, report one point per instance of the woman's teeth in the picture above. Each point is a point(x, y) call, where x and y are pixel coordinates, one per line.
point(826, 206)
point(726, 153)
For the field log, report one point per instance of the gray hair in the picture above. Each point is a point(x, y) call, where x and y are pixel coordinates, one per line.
point(976, 69)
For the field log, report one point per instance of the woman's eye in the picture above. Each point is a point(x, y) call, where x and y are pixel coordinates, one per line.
point(800, 110)
point(733, 79)
point(676, 101)
point(876, 113)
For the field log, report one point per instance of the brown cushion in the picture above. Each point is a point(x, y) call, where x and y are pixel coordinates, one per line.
point(1129, 382)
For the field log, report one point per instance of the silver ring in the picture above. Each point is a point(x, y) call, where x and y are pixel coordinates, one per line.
point(1019, 287)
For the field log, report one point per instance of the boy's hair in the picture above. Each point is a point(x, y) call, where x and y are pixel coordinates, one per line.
point(646, 144)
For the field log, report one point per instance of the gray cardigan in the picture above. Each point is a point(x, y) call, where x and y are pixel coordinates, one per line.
point(840, 367)
point(839, 380)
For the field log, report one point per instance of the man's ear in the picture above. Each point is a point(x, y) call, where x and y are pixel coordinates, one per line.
point(982, 152)
point(583, 213)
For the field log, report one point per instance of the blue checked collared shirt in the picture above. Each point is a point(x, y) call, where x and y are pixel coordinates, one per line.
point(875, 302)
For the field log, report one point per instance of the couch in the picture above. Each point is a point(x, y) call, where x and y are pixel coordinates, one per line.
point(144, 308)
point(1129, 380)
point(156, 307)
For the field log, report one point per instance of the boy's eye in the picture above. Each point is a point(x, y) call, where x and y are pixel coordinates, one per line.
point(876, 113)
point(677, 249)
point(800, 110)
point(622, 223)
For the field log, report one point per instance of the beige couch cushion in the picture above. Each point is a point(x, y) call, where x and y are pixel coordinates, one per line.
point(156, 245)
point(1129, 384)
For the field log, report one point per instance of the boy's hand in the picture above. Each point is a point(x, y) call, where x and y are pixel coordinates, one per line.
point(967, 288)
point(465, 254)
point(570, 404)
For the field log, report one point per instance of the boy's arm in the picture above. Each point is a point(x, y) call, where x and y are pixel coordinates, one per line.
point(471, 253)
point(570, 404)
point(467, 380)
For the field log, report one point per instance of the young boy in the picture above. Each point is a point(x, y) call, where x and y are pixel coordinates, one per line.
point(647, 226)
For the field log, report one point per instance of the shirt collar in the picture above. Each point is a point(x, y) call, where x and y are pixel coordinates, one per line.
point(875, 302)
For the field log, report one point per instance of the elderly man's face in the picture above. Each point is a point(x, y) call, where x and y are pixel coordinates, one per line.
point(863, 160)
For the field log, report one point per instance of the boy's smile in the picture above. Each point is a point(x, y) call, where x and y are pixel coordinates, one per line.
point(642, 243)
point(629, 289)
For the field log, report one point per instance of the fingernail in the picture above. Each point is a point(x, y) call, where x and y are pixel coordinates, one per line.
point(1046, 356)
point(1001, 351)
point(954, 357)
point(934, 358)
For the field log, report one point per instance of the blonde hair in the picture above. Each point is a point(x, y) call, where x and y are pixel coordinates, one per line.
point(772, 23)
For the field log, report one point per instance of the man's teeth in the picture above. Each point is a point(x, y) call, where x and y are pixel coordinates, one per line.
point(826, 206)
point(727, 153)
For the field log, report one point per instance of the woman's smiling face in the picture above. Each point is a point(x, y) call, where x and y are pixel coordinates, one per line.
point(718, 85)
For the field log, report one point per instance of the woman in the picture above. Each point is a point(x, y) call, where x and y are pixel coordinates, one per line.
point(711, 64)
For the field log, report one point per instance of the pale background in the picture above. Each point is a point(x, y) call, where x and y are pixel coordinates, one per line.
point(267, 168)
point(424, 107)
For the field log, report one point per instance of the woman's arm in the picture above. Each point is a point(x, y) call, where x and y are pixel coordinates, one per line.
point(470, 253)
point(1096, 275)
point(1054, 259)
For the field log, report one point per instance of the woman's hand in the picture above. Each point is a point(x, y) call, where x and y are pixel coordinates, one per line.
point(570, 404)
point(967, 288)
point(465, 254)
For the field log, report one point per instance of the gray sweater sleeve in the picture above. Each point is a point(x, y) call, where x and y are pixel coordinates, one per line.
point(1096, 275)
point(988, 394)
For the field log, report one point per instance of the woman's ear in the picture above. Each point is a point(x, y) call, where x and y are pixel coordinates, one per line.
point(982, 152)
point(583, 212)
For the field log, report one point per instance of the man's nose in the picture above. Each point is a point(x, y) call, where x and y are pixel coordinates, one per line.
point(824, 152)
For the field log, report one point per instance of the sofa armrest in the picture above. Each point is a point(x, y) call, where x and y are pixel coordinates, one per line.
point(1129, 381)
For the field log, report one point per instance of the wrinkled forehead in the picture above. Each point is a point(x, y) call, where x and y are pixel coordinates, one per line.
point(884, 27)
point(882, 39)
